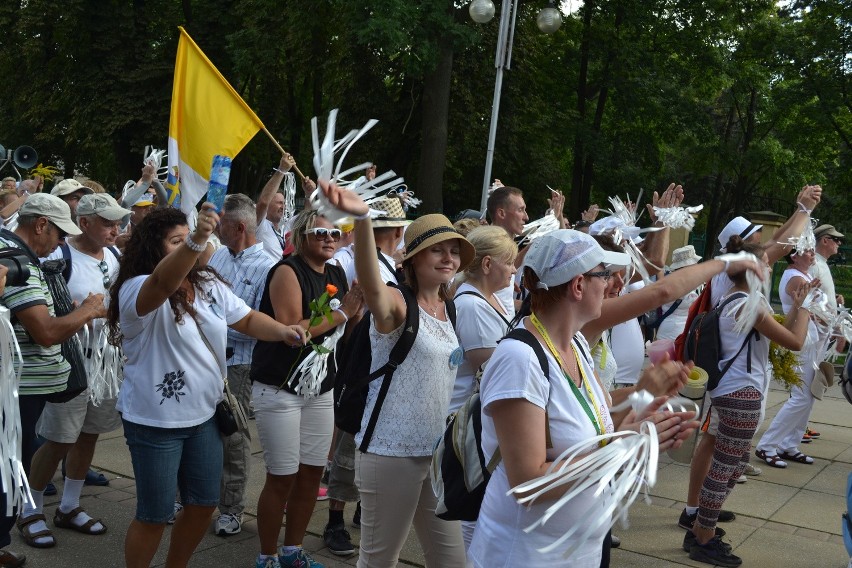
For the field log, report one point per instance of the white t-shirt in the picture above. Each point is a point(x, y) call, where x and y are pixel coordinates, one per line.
point(88, 278)
point(820, 270)
point(478, 326)
point(738, 376)
point(628, 346)
point(500, 540)
point(507, 300)
point(720, 285)
point(414, 413)
point(345, 259)
point(273, 241)
point(674, 323)
point(171, 380)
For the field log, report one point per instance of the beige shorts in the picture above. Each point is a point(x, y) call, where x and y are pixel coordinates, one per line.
point(62, 423)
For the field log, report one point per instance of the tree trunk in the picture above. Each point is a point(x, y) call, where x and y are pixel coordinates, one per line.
point(433, 152)
point(577, 198)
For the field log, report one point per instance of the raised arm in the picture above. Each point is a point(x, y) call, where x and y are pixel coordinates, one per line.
point(385, 304)
point(171, 272)
point(656, 244)
point(265, 197)
point(667, 289)
point(806, 201)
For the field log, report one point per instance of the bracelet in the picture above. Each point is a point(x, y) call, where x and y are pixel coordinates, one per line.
point(193, 246)
point(363, 217)
point(345, 317)
point(727, 265)
point(280, 171)
point(803, 209)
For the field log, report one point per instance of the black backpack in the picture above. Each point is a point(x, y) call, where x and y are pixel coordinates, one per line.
point(459, 472)
point(354, 362)
point(704, 346)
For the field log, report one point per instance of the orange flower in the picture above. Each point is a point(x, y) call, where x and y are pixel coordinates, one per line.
point(331, 289)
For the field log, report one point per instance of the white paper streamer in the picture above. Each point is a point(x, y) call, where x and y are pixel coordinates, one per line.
point(289, 195)
point(540, 227)
point(308, 376)
point(617, 473)
point(104, 366)
point(156, 158)
point(324, 155)
point(751, 307)
point(12, 476)
point(677, 217)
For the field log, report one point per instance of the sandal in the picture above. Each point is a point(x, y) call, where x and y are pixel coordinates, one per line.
point(773, 460)
point(30, 537)
point(797, 457)
point(66, 521)
point(9, 559)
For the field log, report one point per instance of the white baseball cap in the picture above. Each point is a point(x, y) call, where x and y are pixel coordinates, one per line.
point(562, 255)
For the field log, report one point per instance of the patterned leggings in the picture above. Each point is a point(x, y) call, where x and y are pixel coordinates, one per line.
point(739, 414)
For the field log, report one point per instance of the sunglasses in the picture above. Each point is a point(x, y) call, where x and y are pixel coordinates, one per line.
point(105, 272)
point(62, 234)
point(837, 240)
point(321, 233)
point(603, 274)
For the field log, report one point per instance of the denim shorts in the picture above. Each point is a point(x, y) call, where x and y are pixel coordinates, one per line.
point(166, 460)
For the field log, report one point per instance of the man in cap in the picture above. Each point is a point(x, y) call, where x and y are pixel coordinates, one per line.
point(270, 211)
point(828, 241)
point(70, 191)
point(244, 263)
point(43, 222)
point(71, 429)
point(388, 230)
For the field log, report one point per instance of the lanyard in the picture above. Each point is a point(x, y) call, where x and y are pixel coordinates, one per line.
point(595, 418)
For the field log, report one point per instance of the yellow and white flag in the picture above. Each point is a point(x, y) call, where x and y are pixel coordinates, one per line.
point(208, 117)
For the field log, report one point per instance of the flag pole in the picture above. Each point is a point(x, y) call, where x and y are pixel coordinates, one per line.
point(277, 145)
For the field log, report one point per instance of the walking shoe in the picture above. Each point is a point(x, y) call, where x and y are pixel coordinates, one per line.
point(714, 552)
point(742, 478)
point(337, 540)
point(49, 489)
point(689, 539)
point(615, 542)
point(806, 438)
point(812, 433)
point(686, 520)
point(322, 494)
point(356, 518)
point(228, 524)
point(270, 562)
point(751, 470)
point(299, 559)
point(178, 509)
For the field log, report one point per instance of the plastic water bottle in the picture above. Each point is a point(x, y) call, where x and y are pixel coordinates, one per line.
point(694, 389)
point(217, 187)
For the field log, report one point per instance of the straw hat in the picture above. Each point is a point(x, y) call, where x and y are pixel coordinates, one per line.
point(683, 257)
point(394, 213)
point(823, 380)
point(432, 229)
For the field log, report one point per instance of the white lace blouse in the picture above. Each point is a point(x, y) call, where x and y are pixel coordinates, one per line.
point(413, 415)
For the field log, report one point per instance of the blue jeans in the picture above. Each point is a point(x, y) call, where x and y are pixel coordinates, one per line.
point(166, 460)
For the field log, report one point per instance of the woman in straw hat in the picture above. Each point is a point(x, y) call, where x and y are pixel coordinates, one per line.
point(392, 469)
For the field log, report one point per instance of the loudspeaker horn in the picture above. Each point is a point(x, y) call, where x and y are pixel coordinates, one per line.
point(25, 157)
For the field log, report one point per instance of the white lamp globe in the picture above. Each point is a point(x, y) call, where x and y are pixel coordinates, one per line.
point(549, 19)
point(481, 11)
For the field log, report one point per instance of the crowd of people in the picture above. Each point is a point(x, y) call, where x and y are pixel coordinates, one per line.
point(254, 304)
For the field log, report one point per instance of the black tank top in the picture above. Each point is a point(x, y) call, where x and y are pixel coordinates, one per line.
point(271, 361)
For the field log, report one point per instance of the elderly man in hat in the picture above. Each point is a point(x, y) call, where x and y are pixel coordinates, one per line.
point(71, 429)
point(71, 191)
point(43, 222)
point(828, 241)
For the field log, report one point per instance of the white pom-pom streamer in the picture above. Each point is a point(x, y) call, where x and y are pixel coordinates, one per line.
point(12, 476)
point(755, 304)
point(324, 164)
point(289, 195)
point(308, 376)
point(677, 217)
point(156, 158)
point(804, 242)
point(617, 473)
point(104, 366)
point(540, 227)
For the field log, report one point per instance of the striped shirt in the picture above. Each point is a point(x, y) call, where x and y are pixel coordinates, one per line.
point(246, 273)
point(44, 370)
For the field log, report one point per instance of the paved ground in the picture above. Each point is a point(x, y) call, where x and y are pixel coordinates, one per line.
point(785, 518)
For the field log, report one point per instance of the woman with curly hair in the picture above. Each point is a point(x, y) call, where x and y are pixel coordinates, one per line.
point(171, 317)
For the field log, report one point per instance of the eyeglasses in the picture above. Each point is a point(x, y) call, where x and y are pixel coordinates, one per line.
point(837, 240)
point(321, 233)
point(602, 274)
point(62, 234)
point(105, 271)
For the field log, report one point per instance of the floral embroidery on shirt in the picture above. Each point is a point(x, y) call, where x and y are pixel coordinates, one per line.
point(171, 386)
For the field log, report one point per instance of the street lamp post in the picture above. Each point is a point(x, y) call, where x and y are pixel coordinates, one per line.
point(481, 11)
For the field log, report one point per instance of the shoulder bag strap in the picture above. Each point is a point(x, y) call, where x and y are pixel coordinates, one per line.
point(478, 295)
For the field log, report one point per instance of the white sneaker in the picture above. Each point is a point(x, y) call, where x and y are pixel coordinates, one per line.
point(742, 479)
point(228, 524)
point(751, 470)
